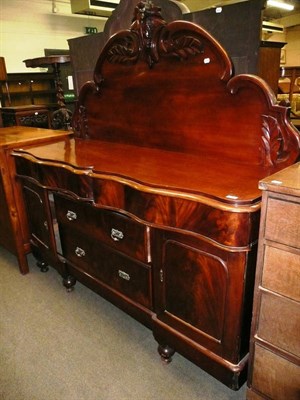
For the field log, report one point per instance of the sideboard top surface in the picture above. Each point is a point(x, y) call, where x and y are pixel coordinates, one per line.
point(185, 175)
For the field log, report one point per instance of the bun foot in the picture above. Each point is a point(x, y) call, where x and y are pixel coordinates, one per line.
point(165, 353)
point(69, 283)
point(43, 266)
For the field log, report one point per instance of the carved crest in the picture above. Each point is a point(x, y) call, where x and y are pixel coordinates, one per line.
point(150, 39)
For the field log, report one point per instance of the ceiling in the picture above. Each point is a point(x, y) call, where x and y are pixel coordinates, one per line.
point(286, 18)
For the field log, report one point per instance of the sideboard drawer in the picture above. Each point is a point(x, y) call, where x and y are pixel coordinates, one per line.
point(281, 272)
point(129, 277)
point(112, 228)
point(56, 177)
point(275, 376)
point(76, 248)
point(280, 328)
point(281, 217)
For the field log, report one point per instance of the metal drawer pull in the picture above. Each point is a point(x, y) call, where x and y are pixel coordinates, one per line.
point(116, 235)
point(79, 252)
point(71, 215)
point(124, 275)
point(46, 225)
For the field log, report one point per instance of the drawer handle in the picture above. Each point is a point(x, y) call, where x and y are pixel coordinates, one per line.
point(71, 215)
point(116, 235)
point(46, 225)
point(79, 252)
point(124, 275)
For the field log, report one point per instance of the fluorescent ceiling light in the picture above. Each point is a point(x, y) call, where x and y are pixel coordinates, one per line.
point(280, 4)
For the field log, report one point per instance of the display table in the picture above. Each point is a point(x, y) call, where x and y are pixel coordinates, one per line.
point(14, 233)
point(61, 118)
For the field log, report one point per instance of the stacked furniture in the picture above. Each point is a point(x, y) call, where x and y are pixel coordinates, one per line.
point(156, 199)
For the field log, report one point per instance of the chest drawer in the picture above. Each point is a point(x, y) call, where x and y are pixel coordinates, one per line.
point(283, 222)
point(121, 273)
point(274, 376)
point(112, 228)
point(281, 272)
point(280, 328)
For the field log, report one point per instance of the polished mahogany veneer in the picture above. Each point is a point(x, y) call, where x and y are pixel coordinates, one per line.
point(155, 203)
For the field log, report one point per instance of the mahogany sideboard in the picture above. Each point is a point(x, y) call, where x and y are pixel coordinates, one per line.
point(156, 199)
point(274, 371)
point(14, 233)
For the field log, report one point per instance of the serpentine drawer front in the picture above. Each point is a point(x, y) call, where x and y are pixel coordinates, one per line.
point(112, 228)
point(56, 177)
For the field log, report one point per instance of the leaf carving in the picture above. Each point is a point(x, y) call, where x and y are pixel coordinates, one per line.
point(183, 47)
point(123, 52)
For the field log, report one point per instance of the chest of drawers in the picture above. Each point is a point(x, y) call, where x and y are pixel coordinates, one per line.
point(275, 345)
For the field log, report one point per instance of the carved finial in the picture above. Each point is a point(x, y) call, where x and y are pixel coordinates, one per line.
point(147, 19)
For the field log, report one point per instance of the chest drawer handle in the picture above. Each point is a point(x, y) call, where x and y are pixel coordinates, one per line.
point(79, 252)
point(124, 275)
point(71, 215)
point(116, 235)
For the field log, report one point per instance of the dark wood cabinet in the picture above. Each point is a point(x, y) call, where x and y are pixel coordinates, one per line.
point(33, 97)
point(31, 115)
point(156, 203)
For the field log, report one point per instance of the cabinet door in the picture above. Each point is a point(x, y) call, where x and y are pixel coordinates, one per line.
point(202, 294)
point(39, 217)
point(195, 288)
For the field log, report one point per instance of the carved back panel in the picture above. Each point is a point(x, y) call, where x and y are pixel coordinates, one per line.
point(171, 86)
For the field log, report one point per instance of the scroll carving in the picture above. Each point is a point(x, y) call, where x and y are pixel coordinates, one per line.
point(80, 119)
point(272, 141)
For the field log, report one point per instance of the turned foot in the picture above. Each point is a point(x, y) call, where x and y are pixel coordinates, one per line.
point(43, 266)
point(165, 353)
point(69, 283)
